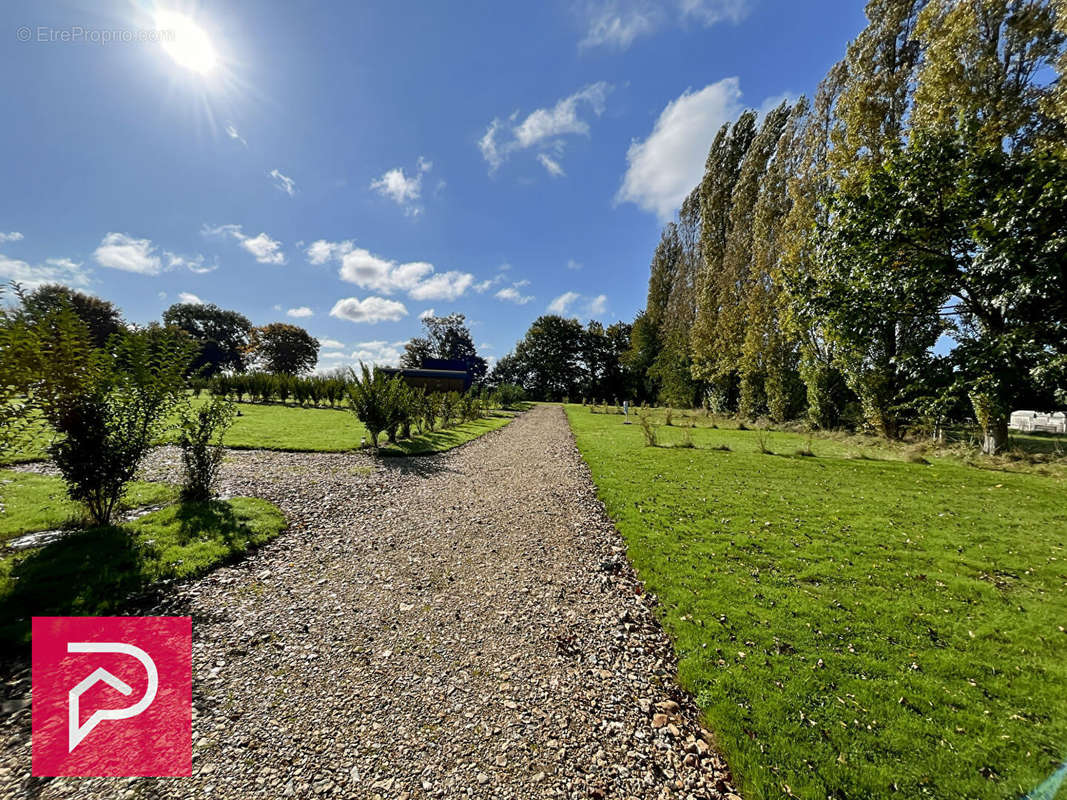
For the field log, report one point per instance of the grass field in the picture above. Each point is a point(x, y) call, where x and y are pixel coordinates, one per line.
point(852, 624)
point(30, 502)
point(92, 572)
point(286, 427)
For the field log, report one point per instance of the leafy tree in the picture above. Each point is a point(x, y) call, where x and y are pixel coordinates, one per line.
point(721, 174)
point(639, 359)
point(729, 290)
point(985, 70)
point(284, 349)
point(20, 364)
point(768, 363)
point(878, 79)
point(102, 318)
point(508, 370)
point(107, 407)
point(549, 357)
point(603, 350)
point(447, 338)
point(970, 231)
point(808, 187)
point(223, 337)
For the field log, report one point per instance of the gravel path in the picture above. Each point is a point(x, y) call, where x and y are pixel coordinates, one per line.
point(464, 625)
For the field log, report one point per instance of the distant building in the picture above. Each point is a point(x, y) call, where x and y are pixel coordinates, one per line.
point(1036, 422)
point(436, 375)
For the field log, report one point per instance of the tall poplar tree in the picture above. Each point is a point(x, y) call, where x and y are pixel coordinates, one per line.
point(721, 172)
point(768, 354)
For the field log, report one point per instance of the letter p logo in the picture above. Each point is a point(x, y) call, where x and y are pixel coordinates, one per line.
point(85, 672)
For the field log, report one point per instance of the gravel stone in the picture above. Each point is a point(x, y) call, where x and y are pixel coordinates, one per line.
point(464, 624)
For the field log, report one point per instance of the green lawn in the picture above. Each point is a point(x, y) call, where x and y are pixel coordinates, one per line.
point(278, 427)
point(285, 427)
point(853, 625)
point(30, 502)
point(92, 572)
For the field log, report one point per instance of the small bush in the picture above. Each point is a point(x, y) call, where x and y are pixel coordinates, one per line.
point(806, 449)
point(510, 395)
point(370, 398)
point(200, 440)
point(668, 419)
point(687, 439)
point(449, 408)
point(723, 447)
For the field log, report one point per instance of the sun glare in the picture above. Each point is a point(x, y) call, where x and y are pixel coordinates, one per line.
point(186, 42)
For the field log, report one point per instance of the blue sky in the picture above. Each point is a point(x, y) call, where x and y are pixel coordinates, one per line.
point(348, 166)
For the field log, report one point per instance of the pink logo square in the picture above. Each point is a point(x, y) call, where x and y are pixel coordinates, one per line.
point(112, 696)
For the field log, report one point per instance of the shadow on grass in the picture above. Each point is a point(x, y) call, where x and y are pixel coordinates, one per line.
point(100, 571)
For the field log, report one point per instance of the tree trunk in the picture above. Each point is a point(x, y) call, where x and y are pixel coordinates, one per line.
point(995, 435)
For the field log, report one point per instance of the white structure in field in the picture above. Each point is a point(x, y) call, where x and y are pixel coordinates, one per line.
point(1031, 421)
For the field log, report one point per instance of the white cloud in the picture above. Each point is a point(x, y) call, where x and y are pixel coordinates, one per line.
point(710, 12)
point(566, 305)
point(232, 132)
point(666, 166)
point(370, 310)
point(553, 166)
point(617, 23)
point(512, 295)
point(572, 264)
point(321, 251)
point(283, 182)
point(333, 355)
point(543, 128)
point(191, 263)
point(404, 190)
point(265, 249)
point(300, 312)
point(442, 286)
point(331, 344)
point(120, 251)
point(53, 270)
point(426, 313)
point(378, 352)
point(14, 236)
point(189, 297)
point(562, 303)
point(370, 271)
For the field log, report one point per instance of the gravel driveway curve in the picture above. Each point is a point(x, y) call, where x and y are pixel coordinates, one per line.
point(464, 625)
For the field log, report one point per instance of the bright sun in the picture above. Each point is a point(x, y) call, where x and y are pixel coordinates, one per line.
point(186, 42)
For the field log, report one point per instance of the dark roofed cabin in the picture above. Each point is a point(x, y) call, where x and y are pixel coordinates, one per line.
point(436, 375)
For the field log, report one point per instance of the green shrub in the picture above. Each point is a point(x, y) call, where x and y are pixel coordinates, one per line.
point(510, 395)
point(200, 440)
point(107, 407)
point(449, 408)
point(369, 397)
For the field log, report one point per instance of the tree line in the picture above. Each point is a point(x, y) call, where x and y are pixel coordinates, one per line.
point(891, 253)
point(223, 340)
